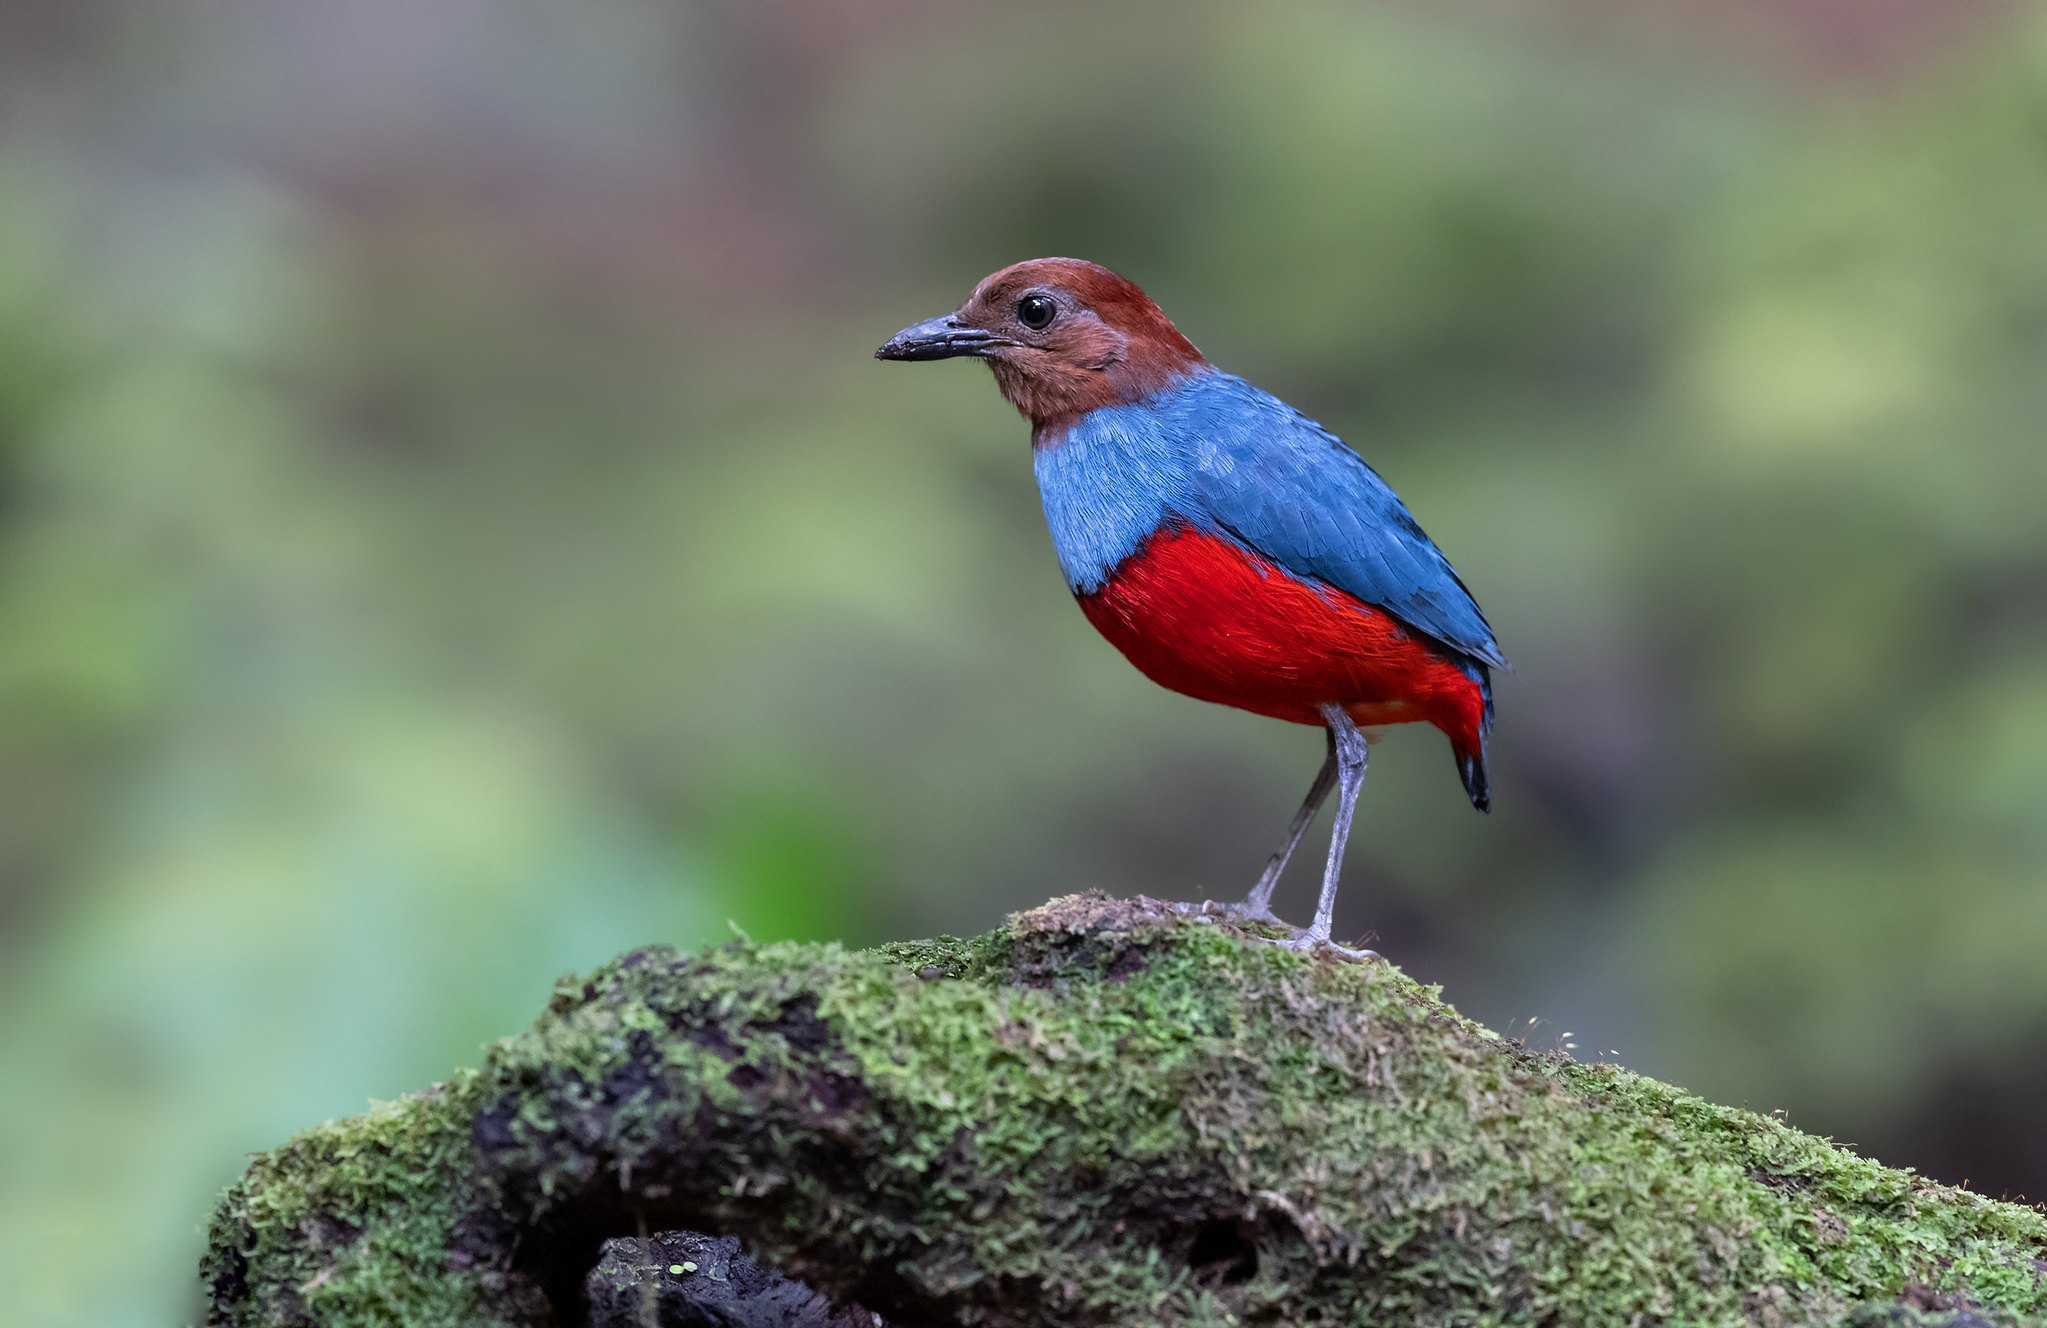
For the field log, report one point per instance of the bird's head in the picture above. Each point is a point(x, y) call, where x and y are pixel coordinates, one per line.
point(1063, 337)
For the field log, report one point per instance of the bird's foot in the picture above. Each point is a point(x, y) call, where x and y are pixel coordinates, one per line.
point(1308, 939)
point(1243, 910)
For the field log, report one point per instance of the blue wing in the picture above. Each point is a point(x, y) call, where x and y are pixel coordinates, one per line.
point(1284, 486)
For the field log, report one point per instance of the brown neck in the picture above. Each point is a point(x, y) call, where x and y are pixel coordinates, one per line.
point(1052, 393)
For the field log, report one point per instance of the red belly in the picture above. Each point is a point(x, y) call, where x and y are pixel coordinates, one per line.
point(1205, 617)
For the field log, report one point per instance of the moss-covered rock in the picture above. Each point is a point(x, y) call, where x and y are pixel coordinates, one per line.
point(1103, 1113)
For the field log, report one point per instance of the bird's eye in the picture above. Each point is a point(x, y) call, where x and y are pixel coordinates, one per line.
point(1035, 312)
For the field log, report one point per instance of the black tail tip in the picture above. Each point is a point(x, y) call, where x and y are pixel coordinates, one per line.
point(1471, 765)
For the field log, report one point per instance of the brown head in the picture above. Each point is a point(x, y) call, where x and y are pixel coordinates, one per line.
point(1062, 335)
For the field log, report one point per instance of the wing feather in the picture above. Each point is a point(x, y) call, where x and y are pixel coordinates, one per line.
point(1287, 488)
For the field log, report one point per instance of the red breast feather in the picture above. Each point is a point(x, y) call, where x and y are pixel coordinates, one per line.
point(1208, 618)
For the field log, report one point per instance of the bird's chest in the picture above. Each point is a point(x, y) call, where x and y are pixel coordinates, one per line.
point(1108, 485)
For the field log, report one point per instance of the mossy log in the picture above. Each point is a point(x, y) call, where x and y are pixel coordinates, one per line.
point(1103, 1113)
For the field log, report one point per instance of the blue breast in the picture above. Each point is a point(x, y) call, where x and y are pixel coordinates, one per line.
point(1110, 481)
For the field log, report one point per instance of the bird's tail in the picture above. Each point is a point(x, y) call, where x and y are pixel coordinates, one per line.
point(1470, 747)
point(1477, 784)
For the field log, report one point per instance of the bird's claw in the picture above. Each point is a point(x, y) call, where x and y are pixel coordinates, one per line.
point(1302, 939)
point(1305, 941)
point(1242, 910)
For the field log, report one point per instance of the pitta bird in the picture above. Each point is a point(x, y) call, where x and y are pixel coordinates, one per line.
point(1232, 548)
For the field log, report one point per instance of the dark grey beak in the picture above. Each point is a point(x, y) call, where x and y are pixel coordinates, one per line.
point(938, 339)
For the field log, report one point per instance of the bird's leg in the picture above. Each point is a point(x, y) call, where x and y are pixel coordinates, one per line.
point(1350, 752)
point(1258, 904)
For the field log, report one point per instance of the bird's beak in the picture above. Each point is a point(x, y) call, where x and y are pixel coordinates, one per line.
point(939, 339)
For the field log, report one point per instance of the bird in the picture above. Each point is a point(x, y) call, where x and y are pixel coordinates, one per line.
point(1229, 546)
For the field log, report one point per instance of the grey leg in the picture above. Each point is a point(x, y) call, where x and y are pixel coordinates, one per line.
point(1258, 904)
point(1351, 754)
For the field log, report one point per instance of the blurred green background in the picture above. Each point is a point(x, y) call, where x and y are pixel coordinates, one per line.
point(451, 530)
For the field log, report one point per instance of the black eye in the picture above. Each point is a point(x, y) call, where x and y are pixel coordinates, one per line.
point(1035, 312)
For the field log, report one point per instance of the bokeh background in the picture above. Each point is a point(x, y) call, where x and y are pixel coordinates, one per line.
point(451, 530)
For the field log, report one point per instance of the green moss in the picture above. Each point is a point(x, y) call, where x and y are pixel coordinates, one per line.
point(364, 1222)
point(1102, 1113)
